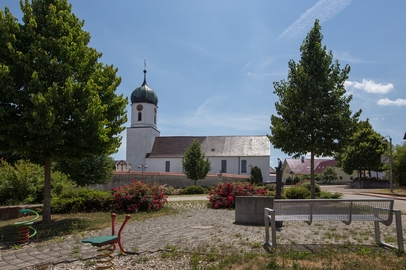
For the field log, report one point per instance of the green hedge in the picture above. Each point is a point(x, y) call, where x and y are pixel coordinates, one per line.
point(82, 200)
point(190, 190)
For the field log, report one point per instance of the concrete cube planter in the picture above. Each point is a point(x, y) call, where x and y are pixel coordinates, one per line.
point(250, 209)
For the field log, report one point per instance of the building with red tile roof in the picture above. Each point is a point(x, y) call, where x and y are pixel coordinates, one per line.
point(293, 167)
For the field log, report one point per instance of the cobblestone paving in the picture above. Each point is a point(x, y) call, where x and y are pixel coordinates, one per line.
point(195, 227)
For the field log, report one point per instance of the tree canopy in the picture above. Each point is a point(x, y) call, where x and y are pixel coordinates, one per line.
point(329, 174)
point(195, 165)
point(56, 100)
point(363, 152)
point(256, 175)
point(88, 171)
point(399, 164)
point(313, 112)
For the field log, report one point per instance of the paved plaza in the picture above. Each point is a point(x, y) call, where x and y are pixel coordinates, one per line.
point(195, 226)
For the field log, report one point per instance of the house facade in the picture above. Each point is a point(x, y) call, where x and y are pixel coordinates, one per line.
point(148, 151)
point(293, 167)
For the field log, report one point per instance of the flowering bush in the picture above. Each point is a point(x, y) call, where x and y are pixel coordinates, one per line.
point(223, 195)
point(138, 196)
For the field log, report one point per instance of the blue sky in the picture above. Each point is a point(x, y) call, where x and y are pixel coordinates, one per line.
point(213, 63)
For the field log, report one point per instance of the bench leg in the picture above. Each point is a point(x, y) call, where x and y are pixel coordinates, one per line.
point(399, 233)
point(270, 222)
point(399, 230)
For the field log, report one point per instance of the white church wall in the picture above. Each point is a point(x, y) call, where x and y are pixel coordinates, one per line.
point(139, 142)
point(159, 164)
point(233, 165)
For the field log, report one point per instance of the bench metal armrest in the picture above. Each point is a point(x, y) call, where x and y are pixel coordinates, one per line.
point(389, 220)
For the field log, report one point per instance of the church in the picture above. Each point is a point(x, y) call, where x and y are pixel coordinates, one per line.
point(146, 149)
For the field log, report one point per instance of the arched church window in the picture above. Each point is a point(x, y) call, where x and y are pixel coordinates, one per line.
point(155, 119)
point(139, 116)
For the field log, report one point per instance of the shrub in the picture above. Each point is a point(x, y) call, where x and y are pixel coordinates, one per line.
point(296, 192)
point(138, 196)
point(223, 195)
point(23, 183)
point(171, 190)
point(194, 190)
point(270, 187)
point(296, 180)
point(82, 200)
point(288, 181)
point(308, 186)
point(256, 175)
point(329, 195)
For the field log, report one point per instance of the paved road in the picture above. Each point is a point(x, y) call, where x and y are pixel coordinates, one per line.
point(352, 193)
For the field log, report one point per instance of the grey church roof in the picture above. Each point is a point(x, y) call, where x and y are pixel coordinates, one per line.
point(212, 146)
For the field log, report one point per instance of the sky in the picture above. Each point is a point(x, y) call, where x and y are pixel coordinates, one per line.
point(213, 63)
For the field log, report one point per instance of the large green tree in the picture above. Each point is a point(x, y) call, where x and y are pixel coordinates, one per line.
point(88, 171)
point(195, 165)
point(56, 100)
point(313, 111)
point(363, 152)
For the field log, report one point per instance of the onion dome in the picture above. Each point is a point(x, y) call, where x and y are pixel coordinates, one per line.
point(144, 93)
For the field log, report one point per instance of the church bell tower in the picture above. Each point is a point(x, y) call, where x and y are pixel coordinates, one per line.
point(143, 130)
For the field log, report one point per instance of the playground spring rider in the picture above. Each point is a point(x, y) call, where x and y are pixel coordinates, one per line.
point(24, 226)
point(107, 244)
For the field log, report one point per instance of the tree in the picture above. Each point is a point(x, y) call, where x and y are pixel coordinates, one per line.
point(11, 158)
point(329, 174)
point(256, 175)
point(313, 111)
point(363, 152)
point(399, 164)
point(87, 171)
point(195, 165)
point(23, 183)
point(56, 100)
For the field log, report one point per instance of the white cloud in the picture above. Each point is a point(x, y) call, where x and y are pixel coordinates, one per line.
point(388, 102)
point(370, 86)
point(257, 67)
point(322, 10)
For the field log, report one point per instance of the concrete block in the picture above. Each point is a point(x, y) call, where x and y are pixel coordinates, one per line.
point(250, 209)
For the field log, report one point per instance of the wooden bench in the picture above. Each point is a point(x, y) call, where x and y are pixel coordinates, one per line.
point(345, 210)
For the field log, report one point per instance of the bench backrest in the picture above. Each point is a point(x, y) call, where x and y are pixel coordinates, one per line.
point(346, 210)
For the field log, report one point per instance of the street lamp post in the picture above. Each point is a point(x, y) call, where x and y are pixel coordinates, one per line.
point(142, 166)
point(250, 165)
point(385, 141)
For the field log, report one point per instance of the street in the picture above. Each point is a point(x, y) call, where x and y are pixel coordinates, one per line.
point(352, 193)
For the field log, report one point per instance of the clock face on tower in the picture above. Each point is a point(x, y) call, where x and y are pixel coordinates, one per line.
point(139, 107)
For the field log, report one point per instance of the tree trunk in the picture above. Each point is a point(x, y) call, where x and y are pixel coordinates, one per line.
point(312, 182)
point(46, 213)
